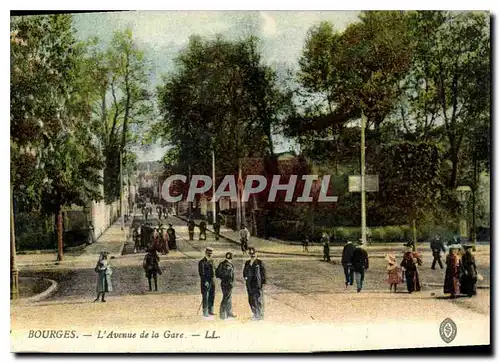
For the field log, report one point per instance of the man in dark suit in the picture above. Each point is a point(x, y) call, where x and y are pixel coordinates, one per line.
point(207, 275)
point(191, 226)
point(347, 254)
point(225, 272)
point(254, 274)
point(436, 247)
point(359, 265)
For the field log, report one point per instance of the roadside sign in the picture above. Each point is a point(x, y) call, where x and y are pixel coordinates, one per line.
point(371, 183)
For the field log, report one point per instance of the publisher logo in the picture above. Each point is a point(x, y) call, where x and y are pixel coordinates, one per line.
point(448, 330)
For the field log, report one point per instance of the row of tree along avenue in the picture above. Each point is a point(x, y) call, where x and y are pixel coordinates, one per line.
point(80, 107)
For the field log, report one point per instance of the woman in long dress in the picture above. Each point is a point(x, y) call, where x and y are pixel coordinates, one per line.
point(410, 263)
point(104, 272)
point(452, 274)
point(468, 278)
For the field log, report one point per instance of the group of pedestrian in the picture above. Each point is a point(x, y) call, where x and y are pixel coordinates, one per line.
point(461, 272)
point(355, 262)
point(254, 274)
point(159, 238)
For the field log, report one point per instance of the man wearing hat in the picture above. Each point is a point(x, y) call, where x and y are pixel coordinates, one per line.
point(225, 272)
point(469, 272)
point(436, 247)
point(207, 275)
point(254, 274)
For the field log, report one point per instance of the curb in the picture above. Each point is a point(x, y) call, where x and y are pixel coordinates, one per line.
point(486, 287)
point(44, 294)
point(280, 253)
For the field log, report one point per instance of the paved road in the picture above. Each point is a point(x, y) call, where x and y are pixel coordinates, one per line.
point(304, 296)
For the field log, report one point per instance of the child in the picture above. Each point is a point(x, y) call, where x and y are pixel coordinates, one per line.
point(393, 272)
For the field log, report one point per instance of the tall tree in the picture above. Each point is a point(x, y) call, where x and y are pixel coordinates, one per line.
point(454, 54)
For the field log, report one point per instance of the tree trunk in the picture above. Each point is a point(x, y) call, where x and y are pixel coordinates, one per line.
point(474, 191)
point(414, 235)
point(59, 219)
point(454, 167)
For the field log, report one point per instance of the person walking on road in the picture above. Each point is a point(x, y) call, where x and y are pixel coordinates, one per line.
point(172, 243)
point(469, 272)
point(410, 263)
point(254, 274)
point(305, 244)
point(206, 271)
point(203, 230)
point(452, 273)
point(244, 237)
point(191, 226)
point(436, 247)
point(347, 254)
point(359, 265)
point(151, 267)
point(326, 247)
point(164, 241)
point(225, 272)
point(104, 273)
point(217, 230)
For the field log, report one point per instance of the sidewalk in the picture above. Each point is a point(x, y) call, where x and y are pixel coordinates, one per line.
point(276, 246)
point(112, 241)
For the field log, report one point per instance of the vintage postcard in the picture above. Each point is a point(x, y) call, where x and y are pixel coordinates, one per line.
point(250, 181)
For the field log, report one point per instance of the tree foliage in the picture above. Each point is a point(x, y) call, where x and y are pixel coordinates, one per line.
point(220, 98)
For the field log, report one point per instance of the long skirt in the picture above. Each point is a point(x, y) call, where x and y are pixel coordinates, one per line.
point(412, 280)
point(104, 282)
point(468, 285)
point(451, 283)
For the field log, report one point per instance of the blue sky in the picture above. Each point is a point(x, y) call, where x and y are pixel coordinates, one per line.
point(161, 34)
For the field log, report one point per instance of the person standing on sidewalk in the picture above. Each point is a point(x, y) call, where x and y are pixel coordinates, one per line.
point(436, 247)
point(191, 226)
point(347, 254)
point(225, 272)
point(203, 230)
point(359, 265)
point(254, 274)
point(206, 271)
point(305, 244)
point(326, 247)
point(104, 272)
point(151, 267)
point(244, 237)
point(410, 263)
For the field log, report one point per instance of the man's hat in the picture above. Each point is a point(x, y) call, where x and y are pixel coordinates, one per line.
point(467, 246)
point(229, 255)
point(170, 224)
point(209, 249)
point(251, 250)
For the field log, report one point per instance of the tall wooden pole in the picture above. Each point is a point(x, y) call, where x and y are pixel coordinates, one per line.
point(363, 189)
point(214, 207)
point(14, 273)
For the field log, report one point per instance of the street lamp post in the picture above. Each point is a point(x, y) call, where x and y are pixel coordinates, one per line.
point(14, 273)
point(363, 189)
point(214, 207)
point(463, 192)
